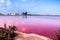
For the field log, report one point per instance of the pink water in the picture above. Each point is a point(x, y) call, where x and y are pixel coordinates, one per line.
point(42, 26)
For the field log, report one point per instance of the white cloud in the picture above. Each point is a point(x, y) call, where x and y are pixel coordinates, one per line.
point(23, 0)
point(2, 1)
point(8, 3)
point(0, 5)
point(16, 4)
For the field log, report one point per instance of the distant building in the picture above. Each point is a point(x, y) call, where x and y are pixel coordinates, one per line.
point(1, 14)
point(11, 14)
point(17, 14)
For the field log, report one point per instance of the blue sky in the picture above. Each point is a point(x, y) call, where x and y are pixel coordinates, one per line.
point(32, 6)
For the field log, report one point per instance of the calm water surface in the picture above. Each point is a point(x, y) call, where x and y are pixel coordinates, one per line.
point(42, 25)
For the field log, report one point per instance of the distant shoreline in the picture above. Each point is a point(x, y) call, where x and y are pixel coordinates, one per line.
point(29, 15)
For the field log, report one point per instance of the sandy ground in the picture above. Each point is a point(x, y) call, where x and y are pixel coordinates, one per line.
point(25, 36)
